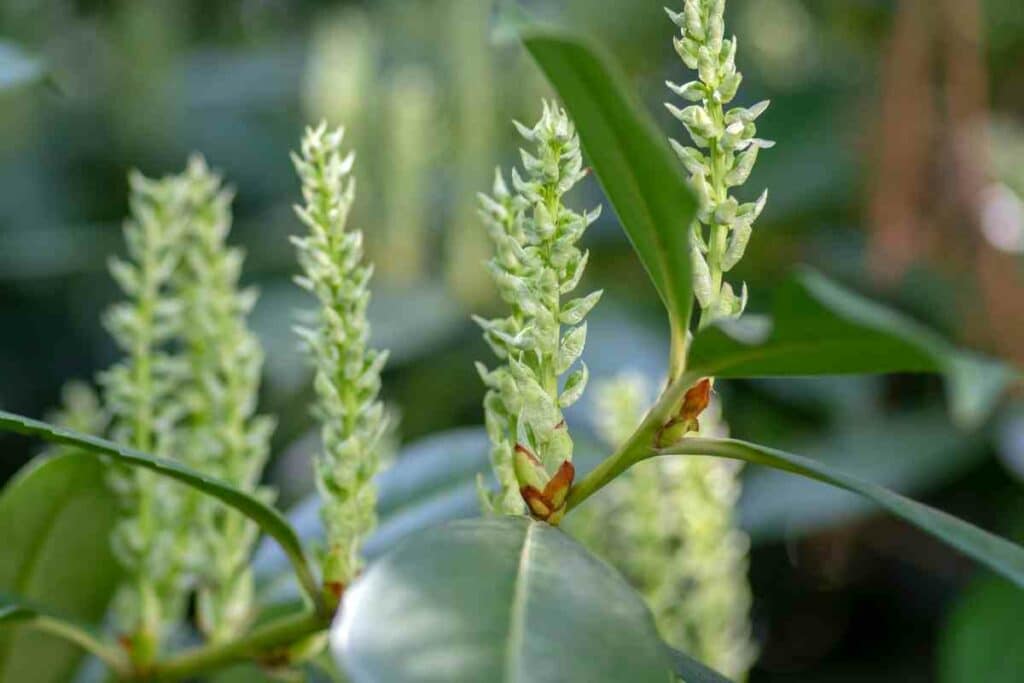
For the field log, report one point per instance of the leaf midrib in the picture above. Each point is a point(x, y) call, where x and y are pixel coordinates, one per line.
point(517, 613)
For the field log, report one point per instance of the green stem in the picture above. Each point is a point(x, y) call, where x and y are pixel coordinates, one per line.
point(111, 656)
point(677, 350)
point(718, 235)
point(262, 641)
point(639, 446)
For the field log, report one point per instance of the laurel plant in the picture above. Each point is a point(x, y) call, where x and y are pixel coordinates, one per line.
point(536, 266)
point(504, 598)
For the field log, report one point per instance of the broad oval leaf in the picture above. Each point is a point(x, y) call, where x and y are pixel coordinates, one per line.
point(996, 553)
point(630, 157)
point(266, 517)
point(498, 600)
point(819, 328)
point(52, 515)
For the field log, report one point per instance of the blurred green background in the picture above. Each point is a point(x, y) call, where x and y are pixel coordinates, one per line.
point(899, 170)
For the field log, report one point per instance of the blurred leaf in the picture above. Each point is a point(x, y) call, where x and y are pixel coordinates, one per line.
point(266, 517)
point(998, 554)
point(18, 67)
point(934, 453)
point(432, 464)
point(983, 640)
point(409, 323)
point(433, 480)
point(690, 670)
point(55, 522)
point(502, 599)
point(629, 154)
point(55, 251)
point(819, 328)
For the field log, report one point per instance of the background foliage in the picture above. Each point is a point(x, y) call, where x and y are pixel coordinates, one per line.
point(896, 122)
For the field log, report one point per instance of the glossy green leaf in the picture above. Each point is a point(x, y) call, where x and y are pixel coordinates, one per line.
point(983, 640)
point(819, 328)
point(56, 512)
point(269, 519)
point(775, 505)
point(629, 155)
point(501, 599)
point(998, 554)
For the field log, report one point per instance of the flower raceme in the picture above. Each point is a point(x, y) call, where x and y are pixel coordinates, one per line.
point(139, 393)
point(723, 156)
point(347, 381)
point(669, 525)
point(186, 388)
point(536, 263)
point(223, 436)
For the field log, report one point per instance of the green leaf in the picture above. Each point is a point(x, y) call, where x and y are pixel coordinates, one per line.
point(691, 671)
point(266, 517)
point(775, 504)
point(983, 640)
point(54, 513)
point(998, 554)
point(630, 156)
point(819, 328)
point(18, 67)
point(58, 635)
point(501, 599)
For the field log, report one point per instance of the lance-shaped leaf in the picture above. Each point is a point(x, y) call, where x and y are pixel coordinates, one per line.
point(998, 554)
point(55, 512)
point(819, 328)
point(630, 157)
point(269, 519)
point(776, 505)
point(503, 600)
